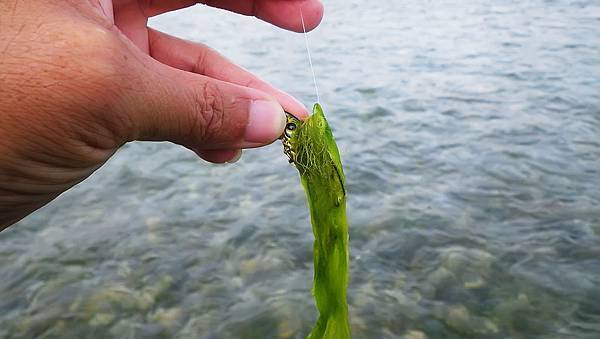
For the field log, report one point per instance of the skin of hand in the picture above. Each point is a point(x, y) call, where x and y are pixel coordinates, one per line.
point(80, 78)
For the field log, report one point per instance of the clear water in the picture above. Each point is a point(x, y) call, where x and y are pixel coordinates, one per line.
point(470, 135)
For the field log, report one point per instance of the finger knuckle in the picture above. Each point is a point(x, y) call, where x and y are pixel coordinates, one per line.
point(208, 113)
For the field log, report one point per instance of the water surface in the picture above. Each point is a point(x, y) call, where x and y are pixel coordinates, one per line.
point(470, 136)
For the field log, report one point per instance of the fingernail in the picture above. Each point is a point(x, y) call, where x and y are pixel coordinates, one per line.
point(265, 123)
point(236, 157)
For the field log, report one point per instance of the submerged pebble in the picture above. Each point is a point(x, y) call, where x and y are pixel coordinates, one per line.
point(169, 318)
point(414, 334)
point(461, 320)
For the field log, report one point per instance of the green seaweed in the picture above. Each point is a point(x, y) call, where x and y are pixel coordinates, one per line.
point(310, 146)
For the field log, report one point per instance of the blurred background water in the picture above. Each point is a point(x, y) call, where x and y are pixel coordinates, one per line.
point(470, 135)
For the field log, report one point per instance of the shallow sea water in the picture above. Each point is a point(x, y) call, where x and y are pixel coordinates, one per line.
point(470, 136)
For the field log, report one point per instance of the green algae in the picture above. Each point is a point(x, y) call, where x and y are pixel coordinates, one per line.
point(311, 147)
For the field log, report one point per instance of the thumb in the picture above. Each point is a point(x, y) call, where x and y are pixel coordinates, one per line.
point(202, 113)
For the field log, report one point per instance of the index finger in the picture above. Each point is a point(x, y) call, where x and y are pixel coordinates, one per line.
point(281, 13)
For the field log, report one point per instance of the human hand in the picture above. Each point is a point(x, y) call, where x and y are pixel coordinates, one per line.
point(79, 78)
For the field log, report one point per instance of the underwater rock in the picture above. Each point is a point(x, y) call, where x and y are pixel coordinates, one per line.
point(473, 281)
point(248, 268)
point(363, 295)
point(198, 323)
point(461, 320)
point(458, 260)
point(438, 280)
point(414, 335)
point(152, 226)
point(263, 266)
point(168, 318)
point(33, 325)
point(152, 222)
point(441, 277)
point(153, 292)
point(398, 295)
point(288, 327)
point(520, 315)
point(136, 329)
point(470, 267)
point(357, 323)
point(109, 299)
point(122, 329)
point(102, 319)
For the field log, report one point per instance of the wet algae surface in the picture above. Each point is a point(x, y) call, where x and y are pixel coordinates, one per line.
point(312, 149)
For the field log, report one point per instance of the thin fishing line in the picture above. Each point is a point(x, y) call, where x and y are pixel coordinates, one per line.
point(312, 69)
